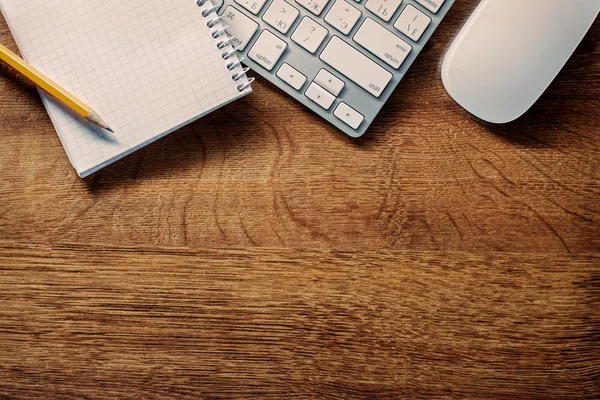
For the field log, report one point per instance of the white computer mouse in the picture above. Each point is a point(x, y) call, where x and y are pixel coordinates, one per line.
point(509, 52)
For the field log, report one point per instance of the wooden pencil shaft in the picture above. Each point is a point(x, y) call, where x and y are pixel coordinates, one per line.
point(43, 82)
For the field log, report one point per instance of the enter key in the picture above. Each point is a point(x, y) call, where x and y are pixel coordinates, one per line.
point(382, 43)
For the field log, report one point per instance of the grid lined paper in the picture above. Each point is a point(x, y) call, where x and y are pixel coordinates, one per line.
point(147, 67)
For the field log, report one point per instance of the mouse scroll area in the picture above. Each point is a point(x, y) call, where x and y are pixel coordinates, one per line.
point(509, 52)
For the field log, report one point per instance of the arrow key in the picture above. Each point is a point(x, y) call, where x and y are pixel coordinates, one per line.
point(291, 76)
point(348, 115)
point(330, 82)
point(320, 96)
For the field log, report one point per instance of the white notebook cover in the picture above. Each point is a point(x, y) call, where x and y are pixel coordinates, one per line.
point(147, 67)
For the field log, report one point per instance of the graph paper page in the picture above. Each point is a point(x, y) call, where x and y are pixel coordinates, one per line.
point(146, 66)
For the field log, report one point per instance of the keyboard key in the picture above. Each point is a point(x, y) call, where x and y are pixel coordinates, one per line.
point(348, 115)
point(267, 50)
point(314, 6)
point(432, 5)
point(382, 43)
point(281, 15)
point(309, 34)
point(320, 96)
point(412, 22)
point(254, 6)
point(291, 76)
point(330, 82)
point(240, 26)
point(384, 9)
point(356, 66)
point(342, 16)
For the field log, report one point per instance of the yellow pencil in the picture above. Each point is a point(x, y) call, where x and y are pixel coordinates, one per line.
point(50, 87)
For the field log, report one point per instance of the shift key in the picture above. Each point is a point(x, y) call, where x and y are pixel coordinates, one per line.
point(356, 66)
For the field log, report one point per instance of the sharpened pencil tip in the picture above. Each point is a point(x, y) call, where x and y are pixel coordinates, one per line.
point(96, 120)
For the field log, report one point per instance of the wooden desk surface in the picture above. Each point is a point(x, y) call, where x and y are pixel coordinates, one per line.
point(259, 253)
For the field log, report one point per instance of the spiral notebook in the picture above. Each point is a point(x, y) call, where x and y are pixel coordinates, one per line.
point(148, 67)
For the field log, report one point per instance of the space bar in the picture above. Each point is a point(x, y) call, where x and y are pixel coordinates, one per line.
point(356, 66)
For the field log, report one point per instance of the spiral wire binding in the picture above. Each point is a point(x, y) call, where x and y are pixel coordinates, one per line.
point(222, 44)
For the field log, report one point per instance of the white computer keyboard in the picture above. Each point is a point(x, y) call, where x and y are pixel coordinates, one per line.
point(342, 59)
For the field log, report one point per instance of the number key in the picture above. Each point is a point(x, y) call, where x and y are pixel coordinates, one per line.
point(254, 6)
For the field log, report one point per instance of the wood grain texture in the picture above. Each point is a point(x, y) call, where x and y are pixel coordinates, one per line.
point(95, 322)
point(266, 172)
point(259, 253)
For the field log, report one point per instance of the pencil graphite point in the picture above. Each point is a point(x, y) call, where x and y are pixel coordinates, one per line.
point(95, 119)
